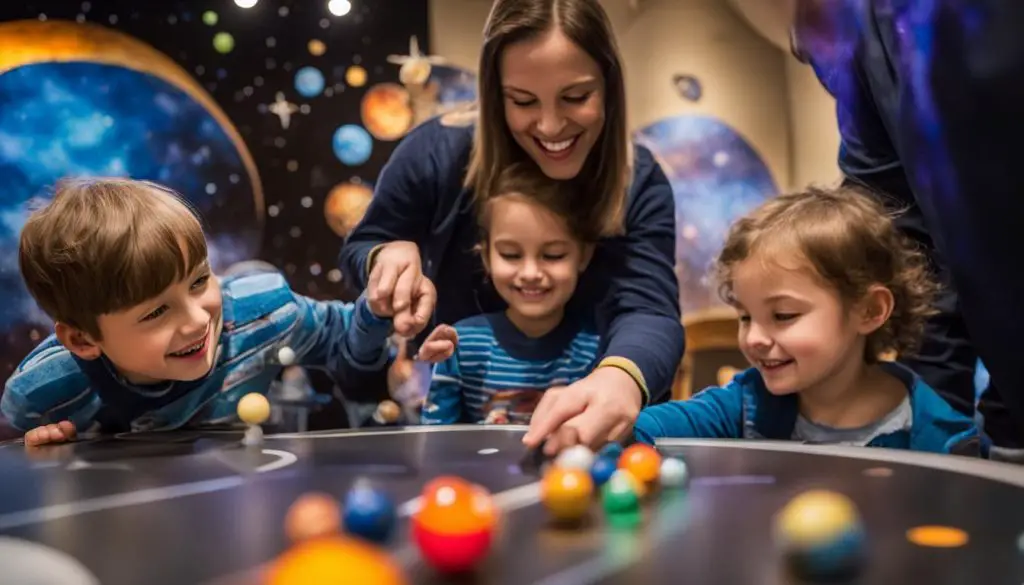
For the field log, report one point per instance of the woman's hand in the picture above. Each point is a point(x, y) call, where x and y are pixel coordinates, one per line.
point(398, 289)
point(593, 412)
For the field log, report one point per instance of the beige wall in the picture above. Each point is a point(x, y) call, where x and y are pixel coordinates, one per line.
point(767, 97)
point(815, 135)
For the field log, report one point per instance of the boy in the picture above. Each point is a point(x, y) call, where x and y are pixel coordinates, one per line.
point(146, 337)
point(533, 253)
point(824, 285)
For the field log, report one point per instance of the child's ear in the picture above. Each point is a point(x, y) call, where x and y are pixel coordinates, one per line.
point(588, 254)
point(875, 309)
point(77, 341)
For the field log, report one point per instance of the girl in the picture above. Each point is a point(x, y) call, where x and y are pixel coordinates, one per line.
point(824, 285)
point(534, 253)
point(551, 92)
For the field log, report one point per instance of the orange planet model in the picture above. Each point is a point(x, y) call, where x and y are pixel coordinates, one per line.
point(643, 461)
point(334, 560)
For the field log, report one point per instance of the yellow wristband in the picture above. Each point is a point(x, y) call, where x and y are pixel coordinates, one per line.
point(373, 256)
point(630, 368)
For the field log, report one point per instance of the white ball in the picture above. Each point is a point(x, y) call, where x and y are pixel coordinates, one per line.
point(576, 457)
point(673, 472)
point(286, 356)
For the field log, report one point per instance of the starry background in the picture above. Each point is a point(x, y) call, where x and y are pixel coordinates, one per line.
point(298, 167)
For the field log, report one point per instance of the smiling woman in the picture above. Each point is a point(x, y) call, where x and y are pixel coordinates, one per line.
point(552, 95)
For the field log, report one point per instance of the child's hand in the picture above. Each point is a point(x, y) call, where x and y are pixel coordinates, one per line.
point(439, 345)
point(61, 432)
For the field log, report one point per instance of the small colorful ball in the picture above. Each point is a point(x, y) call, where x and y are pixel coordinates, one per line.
point(387, 412)
point(821, 534)
point(254, 408)
point(674, 473)
point(621, 493)
point(313, 515)
point(334, 559)
point(566, 493)
point(369, 513)
point(286, 356)
point(603, 469)
point(613, 450)
point(642, 460)
point(575, 457)
point(455, 524)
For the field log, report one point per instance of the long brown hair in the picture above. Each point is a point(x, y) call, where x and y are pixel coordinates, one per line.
point(602, 183)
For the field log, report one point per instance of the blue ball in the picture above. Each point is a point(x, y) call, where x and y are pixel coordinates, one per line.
point(612, 450)
point(603, 468)
point(369, 514)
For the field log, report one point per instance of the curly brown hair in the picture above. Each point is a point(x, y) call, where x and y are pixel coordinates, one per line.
point(848, 239)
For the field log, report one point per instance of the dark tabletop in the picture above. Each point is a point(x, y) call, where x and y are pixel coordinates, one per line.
point(198, 508)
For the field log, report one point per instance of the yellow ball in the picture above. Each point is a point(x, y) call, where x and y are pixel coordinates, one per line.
point(254, 408)
point(816, 517)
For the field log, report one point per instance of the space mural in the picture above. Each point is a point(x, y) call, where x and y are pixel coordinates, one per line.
point(273, 117)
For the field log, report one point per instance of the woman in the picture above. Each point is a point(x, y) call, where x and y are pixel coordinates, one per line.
point(552, 91)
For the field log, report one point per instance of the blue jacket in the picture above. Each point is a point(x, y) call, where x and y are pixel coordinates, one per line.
point(744, 409)
point(261, 315)
point(632, 291)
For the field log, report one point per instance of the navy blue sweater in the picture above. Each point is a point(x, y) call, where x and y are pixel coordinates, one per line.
point(630, 291)
point(928, 96)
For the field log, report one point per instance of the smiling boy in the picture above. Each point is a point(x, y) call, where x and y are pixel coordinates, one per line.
point(146, 337)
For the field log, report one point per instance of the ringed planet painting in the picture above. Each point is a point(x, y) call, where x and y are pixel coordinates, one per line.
point(80, 100)
point(716, 177)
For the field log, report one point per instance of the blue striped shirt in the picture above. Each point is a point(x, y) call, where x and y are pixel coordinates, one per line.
point(261, 316)
point(498, 374)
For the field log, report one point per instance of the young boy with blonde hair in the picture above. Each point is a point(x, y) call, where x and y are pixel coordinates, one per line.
point(824, 286)
point(146, 337)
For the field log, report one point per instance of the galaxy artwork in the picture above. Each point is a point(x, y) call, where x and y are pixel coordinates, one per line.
point(716, 178)
point(257, 115)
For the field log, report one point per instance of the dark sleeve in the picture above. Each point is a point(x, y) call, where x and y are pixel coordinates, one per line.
point(403, 201)
point(642, 308)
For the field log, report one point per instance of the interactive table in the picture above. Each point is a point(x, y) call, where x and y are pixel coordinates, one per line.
point(201, 509)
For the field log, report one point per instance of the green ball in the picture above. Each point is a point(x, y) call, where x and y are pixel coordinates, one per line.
point(223, 42)
point(209, 18)
point(619, 494)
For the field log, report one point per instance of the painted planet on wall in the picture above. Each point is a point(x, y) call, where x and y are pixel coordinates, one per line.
point(83, 100)
point(309, 82)
point(352, 145)
point(716, 177)
point(386, 111)
point(345, 206)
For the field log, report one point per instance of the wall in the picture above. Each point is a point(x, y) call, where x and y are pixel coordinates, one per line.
point(813, 129)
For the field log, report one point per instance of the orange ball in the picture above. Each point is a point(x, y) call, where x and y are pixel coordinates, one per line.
point(312, 515)
point(451, 505)
point(567, 492)
point(334, 560)
point(641, 460)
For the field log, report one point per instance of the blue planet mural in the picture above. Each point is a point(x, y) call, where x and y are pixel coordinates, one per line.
point(456, 86)
point(716, 177)
point(352, 144)
point(116, 107)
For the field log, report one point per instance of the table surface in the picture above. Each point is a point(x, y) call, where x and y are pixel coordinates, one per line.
point(198, 508)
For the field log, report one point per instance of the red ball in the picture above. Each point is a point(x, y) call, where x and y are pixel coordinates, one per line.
point(451, 553)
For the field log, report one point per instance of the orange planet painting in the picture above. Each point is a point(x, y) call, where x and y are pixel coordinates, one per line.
point(345, 206)
point(386, 111)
